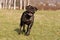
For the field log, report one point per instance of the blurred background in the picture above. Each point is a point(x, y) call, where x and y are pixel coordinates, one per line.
point(21, 4)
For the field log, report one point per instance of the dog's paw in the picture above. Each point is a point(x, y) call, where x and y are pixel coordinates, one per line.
point(19, 33)
point(23, 30)
point(27, 34)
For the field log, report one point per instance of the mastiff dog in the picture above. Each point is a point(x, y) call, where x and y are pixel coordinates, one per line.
point(27, 18)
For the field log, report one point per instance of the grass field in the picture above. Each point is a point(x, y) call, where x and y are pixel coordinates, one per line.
point(46, 25)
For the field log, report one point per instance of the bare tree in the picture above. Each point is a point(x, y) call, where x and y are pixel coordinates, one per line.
point(28, 2)
point(6, 4)
point(24, 4)
point(0, 4)
point(14, 4)
point(9, 4)
point(20, 4)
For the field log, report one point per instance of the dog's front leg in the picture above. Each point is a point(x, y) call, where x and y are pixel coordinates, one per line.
point(27, 32)
point(28, 29)
point(20, 30)
point(24, 28)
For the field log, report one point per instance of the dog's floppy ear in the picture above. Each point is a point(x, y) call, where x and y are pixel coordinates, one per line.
point(28, 7)
point(35, 9)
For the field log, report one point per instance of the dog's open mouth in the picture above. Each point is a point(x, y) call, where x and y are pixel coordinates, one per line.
point(30, 14)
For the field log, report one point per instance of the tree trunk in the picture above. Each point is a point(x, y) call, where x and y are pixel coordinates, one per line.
point(0, 4)
point(28, 2)
point(14, 4)
point(20, 4)
point(6, 4)
point(9, 4)
point(24, 4)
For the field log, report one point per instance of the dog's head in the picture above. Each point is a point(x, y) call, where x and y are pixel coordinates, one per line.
point(31, 9)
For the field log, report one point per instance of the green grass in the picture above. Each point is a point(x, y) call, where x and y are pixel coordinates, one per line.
point(46, 25)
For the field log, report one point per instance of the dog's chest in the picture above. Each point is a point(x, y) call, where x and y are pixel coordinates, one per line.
point(28, 19)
